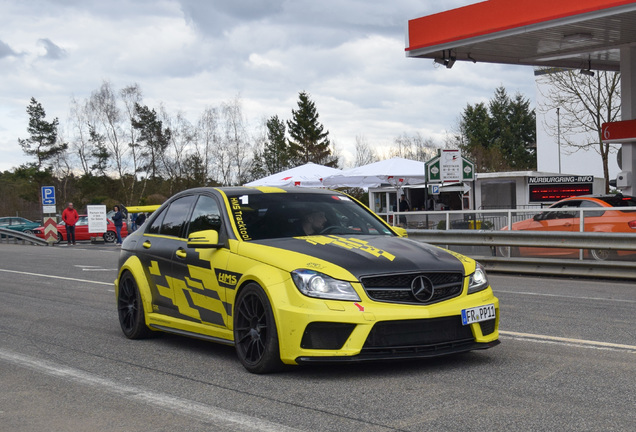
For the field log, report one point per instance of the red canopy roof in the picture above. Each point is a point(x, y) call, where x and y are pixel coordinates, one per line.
point(563, 33)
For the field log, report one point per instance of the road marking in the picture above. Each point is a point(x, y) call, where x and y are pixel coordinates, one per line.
point(569, 341)
point(226, 420)
point(567, 297)
point(56, 277)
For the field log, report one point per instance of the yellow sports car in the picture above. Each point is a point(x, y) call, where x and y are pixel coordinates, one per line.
point(296, 277)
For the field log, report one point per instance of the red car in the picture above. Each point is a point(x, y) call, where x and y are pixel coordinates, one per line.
point(81, 231)
point(564, 216)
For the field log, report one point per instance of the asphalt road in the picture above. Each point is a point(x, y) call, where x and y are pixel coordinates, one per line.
point(567, 362)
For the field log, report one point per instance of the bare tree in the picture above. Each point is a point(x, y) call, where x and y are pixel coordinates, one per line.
point(130, 96)
point(364, 153)
point(82, 145)
point(207, 140)
point(414, 147)
point(103, 103)
point(585, 102)
point(180, 144)
point(237, 147)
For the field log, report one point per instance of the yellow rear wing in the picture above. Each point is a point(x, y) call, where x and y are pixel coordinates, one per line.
point(142, 209)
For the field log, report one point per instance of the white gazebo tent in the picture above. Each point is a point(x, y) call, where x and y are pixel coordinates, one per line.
point(396, 172)
point(308, 175)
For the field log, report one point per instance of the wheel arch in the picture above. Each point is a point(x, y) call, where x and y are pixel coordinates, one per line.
point(135, 268)
point(271, 280)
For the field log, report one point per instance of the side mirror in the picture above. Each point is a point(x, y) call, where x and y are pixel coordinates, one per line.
point(537, 217)
point(208, 239)
point(400, 231)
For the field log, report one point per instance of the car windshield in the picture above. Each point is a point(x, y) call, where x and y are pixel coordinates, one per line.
point(277, 215)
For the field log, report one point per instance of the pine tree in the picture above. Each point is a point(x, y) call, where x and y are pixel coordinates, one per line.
point(308, 141)
point(153, 136)
point(501, 136)
point(43, 141)
point(276, 154)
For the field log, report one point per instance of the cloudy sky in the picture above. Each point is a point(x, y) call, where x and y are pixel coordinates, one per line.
point(191, 54)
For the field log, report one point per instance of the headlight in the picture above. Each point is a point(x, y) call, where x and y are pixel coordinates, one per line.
point(478, 281)
point(314, 284)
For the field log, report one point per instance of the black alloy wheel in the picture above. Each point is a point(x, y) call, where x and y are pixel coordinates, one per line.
point(131, 309)
point(255, 331)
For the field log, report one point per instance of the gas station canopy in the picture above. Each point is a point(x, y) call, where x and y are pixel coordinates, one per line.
point(577, 34)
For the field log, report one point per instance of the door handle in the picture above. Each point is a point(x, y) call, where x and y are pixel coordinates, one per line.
point(147, 244)
point(181, 253)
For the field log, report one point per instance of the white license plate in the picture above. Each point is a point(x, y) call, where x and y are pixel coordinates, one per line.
point(477, 314)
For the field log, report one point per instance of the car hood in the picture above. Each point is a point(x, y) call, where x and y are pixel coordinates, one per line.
point(358, 256)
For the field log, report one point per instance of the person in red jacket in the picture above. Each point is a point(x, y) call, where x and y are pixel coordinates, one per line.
point(70, 217)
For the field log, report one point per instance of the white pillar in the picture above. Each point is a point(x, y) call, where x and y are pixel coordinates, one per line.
point(628, 112)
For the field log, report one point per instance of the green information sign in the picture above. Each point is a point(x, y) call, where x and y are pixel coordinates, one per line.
point(438, 168)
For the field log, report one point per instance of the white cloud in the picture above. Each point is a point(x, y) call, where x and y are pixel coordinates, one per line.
point(189, 54)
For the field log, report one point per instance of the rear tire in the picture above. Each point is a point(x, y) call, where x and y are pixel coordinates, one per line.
point(507, 251)
point(255, 333)
point(601, 254)
point(132, 318)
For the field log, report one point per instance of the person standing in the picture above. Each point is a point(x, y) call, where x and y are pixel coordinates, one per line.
point(404, 207)
point(118, 221)
point(70, 217)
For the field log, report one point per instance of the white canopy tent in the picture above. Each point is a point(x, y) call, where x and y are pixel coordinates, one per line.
point(308, 175)
point(397, 172)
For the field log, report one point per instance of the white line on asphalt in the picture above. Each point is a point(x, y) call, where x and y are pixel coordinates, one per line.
point(564, 296)
point(569, 341)
point(227, 420)
point(56, 277)
point(98, 269)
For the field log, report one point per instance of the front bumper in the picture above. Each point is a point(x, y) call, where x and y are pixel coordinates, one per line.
point(334, 331)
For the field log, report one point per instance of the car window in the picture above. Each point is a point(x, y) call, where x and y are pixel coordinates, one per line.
point(592, 204)
point(176, 216)
point(620, 201)
point(563, 210)
point(205, 216)
point(155, 226)
point(5, 221)
point(83, 220)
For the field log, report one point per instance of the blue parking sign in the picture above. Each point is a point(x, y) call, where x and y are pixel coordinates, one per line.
point(48, 195)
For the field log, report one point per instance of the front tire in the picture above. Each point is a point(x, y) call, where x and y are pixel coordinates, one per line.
point(110, 237)
point(130, 308)
point(255, 332)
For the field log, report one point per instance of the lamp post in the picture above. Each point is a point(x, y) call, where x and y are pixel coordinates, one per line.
point(559, 136)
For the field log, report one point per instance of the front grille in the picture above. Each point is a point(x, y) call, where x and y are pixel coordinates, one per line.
point(397, 288)
point(418, 332)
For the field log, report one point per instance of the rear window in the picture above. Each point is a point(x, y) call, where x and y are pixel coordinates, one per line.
point(620, 201)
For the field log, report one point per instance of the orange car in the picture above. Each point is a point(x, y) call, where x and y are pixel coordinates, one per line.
point(564, 216)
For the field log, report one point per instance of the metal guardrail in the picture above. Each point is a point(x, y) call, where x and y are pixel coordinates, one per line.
point(488, 241)
point(7, 235)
